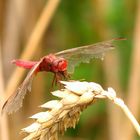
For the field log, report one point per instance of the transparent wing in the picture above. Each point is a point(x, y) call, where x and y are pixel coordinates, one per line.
point(84, 54)
point(14, 102)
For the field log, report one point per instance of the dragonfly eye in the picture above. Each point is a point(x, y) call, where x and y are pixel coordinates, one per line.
point(62, 65)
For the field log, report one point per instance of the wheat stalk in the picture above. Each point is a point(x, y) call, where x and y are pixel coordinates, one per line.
point(65, 113)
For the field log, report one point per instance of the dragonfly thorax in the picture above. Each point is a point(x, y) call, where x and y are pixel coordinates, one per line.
point(53, 64)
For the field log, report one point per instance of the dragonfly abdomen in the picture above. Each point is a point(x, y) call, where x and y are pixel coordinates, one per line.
point(24, 64)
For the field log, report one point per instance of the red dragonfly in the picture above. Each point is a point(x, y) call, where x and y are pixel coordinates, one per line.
point(61, 64)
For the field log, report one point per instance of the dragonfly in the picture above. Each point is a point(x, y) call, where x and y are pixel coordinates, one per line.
point(61, 64)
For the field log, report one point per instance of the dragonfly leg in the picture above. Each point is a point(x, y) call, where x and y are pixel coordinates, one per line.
point(54, 79)
point(58, 77)
point(65, 75)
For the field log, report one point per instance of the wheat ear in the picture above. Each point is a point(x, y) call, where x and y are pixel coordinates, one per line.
point(64, 113)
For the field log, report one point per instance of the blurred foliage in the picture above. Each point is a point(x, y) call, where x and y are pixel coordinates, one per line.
point(78, 23)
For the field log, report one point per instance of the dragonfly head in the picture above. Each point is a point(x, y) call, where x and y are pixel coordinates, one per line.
point(62, 65)
point(59, 65)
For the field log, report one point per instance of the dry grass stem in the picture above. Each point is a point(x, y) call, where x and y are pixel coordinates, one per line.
point(4, 131)
point(64, 113)
point(134, 82)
